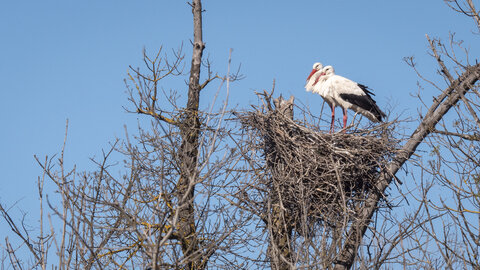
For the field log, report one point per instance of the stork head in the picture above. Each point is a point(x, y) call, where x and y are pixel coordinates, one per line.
point(326, 71)
point(316, 67)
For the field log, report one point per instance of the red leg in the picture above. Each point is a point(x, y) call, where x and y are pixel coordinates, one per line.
point(344, 119)
point(333, 118)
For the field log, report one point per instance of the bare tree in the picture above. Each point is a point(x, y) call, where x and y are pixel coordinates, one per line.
point(196, 192)
point(463, 83)
point(449, 182)
point(170, 210)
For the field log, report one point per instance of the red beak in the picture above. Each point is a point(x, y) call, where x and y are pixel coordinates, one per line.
point(316, 81)
point(311, 73)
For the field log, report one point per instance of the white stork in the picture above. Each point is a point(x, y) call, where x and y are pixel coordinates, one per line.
point(340, 91)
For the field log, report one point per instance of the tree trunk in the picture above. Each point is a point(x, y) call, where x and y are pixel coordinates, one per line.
point(190, 130)
point(280, 223)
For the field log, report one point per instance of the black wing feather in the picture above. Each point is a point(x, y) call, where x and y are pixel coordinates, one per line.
point(365, 89)
point(365, 102)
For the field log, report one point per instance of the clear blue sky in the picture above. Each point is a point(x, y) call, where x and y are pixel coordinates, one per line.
point(68, 59)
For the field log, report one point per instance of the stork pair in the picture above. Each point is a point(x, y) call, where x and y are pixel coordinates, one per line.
point(340, 91)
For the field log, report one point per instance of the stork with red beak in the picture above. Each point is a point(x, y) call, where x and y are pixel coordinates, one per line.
point(340, 91)
point(313, 76)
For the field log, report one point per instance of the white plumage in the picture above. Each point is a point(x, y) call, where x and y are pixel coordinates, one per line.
point(340, 91)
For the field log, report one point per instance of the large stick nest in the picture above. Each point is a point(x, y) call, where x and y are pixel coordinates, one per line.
point(317, 176)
